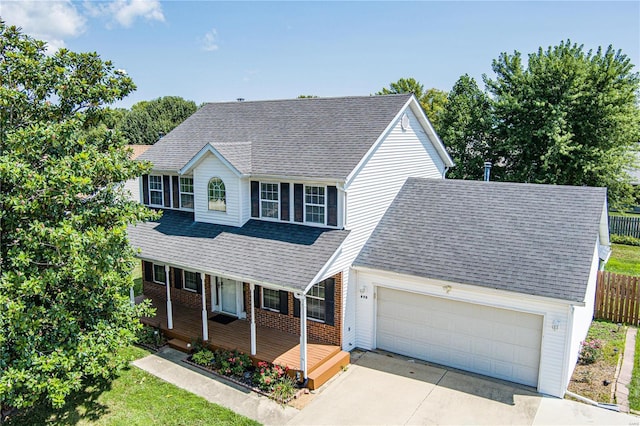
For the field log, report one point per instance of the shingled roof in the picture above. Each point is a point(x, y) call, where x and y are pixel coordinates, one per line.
point(311, 137)
point(279, 254)
point(525, 238)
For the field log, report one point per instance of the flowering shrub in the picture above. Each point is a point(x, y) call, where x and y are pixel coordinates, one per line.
point(233, 363)
point(591, 350)
point(268, 375)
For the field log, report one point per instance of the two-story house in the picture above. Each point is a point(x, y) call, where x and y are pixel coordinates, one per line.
point(266, 205)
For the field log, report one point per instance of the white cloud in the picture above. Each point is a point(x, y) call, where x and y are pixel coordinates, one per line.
point(51, 21)
point(210, 41)
point(126, 12)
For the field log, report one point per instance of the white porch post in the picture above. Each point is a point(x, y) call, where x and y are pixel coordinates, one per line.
point(132, 297)
point(169, 308)
point(205, 324)
point(252, 296)
point(303, 333)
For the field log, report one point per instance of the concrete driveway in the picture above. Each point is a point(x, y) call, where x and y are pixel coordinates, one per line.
point(387, 389)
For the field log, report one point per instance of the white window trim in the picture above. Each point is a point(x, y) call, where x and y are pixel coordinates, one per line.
point(262, 301)
point(184, 281)
point(164, 274)
point(277, 184)
point(186, 193)
point(304, 203)
point(156, 190)
point(225, 196)
point(324, 299)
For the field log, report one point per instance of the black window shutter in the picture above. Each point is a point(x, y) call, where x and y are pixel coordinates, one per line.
point(296, 307)
point(255, 198)
point(177, 277)
point(166, 186)
point(148, 271)
point(176, 191)
point(199, 281)
point(256, 296)
point(145, 189)
point(332, 206)
point(329, 304)
point(298, 202)
point(284, 302)
point(284, 201)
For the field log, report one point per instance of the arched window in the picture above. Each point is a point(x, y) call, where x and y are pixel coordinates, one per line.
point(217, 195)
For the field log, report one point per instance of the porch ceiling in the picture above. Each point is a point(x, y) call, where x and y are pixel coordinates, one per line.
point(280, 254)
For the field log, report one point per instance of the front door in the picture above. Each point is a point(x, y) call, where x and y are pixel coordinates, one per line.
point(228, 303)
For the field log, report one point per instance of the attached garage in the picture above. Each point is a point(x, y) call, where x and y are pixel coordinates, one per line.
point(495, 342)
point(493, 278)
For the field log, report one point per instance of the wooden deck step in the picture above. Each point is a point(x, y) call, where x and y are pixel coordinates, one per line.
point(328, 369)
point(327, 357)
point(180, 345)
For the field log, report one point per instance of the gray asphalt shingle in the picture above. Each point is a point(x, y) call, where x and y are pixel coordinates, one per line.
point(525, 238)
point(313, 138)
point(282, 254)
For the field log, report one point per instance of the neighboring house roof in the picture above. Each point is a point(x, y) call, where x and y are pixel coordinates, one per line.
point(138, 150)
point(312, 137)
point(262, 252)
point(525, 238)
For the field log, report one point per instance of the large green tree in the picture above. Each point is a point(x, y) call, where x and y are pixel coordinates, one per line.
point(566, 116)
point(149, 120)
point(466, 127)
point(65, 261)
point(433, 101)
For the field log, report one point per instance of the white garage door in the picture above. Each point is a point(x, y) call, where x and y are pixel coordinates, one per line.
point(485, 340)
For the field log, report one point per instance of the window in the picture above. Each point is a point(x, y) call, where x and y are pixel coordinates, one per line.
point(156, 195)
point(159, 275)
point(314, 204)
point(315, 302)
point(217, 195)
point(191, 280)
point(186, 192)
point(269, 200)
point(271, 299)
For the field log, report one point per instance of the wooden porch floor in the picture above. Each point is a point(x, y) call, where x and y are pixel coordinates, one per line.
point(271, 345)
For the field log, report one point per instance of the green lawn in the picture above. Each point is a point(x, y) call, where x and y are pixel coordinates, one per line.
point(134, 398)
point(624, 260)
point(634, 386)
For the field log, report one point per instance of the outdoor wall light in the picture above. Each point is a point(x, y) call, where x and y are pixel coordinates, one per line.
point(363, 289)
point(555, 325)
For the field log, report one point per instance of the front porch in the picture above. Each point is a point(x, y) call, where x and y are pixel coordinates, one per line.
point(323, 360)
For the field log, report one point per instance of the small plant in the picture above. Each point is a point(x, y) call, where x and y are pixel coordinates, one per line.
point(284, 390)
point(204, 357)
point(197, 344)
point(150, 336)
point(268, 375)
point(233, 363)
point(590, 352)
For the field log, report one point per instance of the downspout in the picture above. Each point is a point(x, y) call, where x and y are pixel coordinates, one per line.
point(303, 335)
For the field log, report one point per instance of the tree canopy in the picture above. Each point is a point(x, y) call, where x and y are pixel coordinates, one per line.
point(433, 101)
point(149, 120)
point(65, 260)
point(564, 116)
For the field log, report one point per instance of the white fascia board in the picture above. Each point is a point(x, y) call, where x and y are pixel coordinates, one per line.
point(604, 225)
point(468, 287)
point(324, 268)
point(431, 133)
point(285, 178)
point(217, 273)
point(208, 148)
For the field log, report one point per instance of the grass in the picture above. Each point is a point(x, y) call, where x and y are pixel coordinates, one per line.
point(624, 260)
point(595, 381)
point(134, 398)
point(634, 386)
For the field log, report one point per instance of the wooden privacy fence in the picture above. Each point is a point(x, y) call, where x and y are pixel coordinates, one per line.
point(617, 298)
point(625, 225)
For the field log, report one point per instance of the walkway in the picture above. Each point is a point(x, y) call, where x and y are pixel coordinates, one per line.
point(626, 370)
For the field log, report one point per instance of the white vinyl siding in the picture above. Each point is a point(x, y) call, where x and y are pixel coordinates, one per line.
point(211, 167)
point(552, 361)
point(156, 193)
point(399, 155)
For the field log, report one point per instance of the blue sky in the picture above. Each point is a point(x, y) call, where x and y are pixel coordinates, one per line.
point(218, 51)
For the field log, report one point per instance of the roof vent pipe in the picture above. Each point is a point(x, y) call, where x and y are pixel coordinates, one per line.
point(487, 170)
point(239, 99)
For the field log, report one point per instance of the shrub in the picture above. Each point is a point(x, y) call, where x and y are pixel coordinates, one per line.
point(284, 390)
point(590, 352)
point(269, 375)
point(203, 357)
point(625, 239)
point(233, 363)
point(150, 336)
